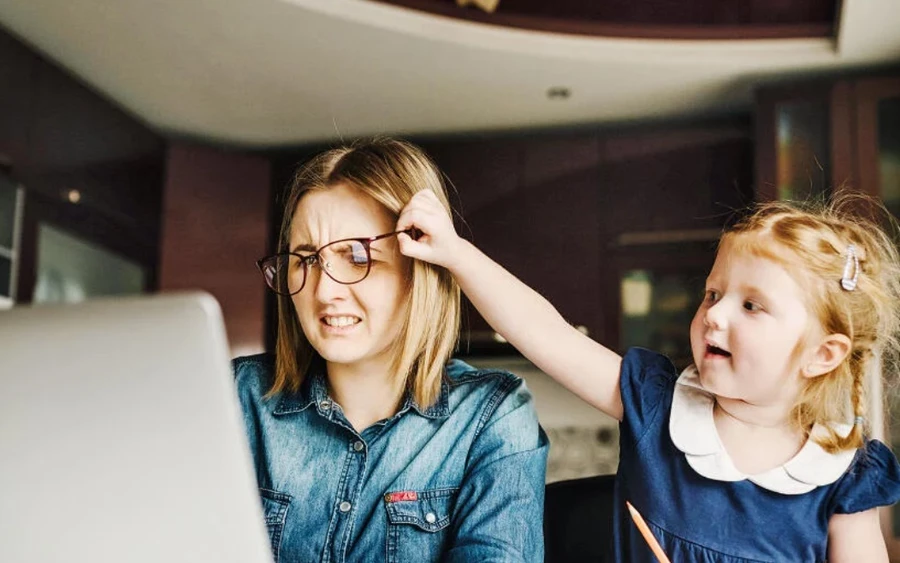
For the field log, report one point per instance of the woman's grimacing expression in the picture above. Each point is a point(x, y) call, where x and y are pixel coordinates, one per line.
point(352, 325)
point(745, 335)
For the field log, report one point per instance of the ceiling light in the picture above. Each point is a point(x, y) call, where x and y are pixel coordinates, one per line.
point(74, 196)
point(559, 93)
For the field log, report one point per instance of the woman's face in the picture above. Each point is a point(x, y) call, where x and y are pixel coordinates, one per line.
point(350, 325)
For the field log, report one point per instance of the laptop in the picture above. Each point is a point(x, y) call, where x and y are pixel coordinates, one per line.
point(121, 436)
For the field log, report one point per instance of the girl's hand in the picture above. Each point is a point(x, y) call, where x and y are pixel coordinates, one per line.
point(437, 242)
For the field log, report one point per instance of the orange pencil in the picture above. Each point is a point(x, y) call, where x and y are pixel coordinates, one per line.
point(648, 535)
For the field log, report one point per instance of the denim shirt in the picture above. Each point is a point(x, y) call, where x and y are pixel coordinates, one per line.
point(459, 481)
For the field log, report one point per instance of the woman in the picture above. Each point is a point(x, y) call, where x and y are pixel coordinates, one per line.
point(370, 444)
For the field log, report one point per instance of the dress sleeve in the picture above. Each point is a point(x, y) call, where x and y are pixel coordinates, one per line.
point(646, 380)
point(872, 480)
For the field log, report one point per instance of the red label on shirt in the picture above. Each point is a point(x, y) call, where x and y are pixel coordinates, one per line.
point(401, 496)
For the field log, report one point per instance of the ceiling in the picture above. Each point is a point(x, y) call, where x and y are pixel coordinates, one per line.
point(281, 72)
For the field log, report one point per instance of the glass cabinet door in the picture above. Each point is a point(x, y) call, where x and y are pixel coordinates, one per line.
point(70, 269)
point(657, 308)
point(10, 219)
point(889, 153)
point(802, 165)
point(804, 141)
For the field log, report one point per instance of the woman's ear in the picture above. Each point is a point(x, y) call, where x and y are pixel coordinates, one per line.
point(831, 351)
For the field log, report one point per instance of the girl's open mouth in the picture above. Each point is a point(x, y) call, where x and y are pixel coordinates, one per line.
point(716, 351)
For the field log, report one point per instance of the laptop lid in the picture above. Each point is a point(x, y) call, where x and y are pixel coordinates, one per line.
point(121, 437)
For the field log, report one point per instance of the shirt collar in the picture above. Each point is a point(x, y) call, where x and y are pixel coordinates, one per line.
point(314, 391)
point(693, 431)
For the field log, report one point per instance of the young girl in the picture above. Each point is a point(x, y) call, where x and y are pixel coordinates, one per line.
point(757, 451)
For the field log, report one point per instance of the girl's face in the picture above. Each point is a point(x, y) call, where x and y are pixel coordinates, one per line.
point(350, 325)
point(748, 336)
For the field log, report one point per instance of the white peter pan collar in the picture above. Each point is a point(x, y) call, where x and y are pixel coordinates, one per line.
point(693, 431)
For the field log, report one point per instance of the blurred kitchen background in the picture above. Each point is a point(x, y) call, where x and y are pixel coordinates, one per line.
point(596, 149)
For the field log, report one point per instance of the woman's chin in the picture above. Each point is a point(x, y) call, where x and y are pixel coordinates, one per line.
point(339, 354)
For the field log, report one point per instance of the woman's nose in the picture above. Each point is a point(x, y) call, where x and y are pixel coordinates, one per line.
point(326, 289)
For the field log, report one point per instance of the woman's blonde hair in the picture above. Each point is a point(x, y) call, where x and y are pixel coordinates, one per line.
point(812, 241)
point(389, 171)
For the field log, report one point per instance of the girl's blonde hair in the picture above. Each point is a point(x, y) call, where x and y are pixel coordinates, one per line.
point(812, 242)
point(390, 172)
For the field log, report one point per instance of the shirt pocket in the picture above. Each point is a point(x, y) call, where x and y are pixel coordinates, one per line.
point(417, 524)
point(275, 507)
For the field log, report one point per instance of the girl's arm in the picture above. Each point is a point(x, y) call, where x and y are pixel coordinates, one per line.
point(856, 537)
point(518, 313)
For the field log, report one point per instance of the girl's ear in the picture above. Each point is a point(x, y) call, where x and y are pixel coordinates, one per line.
point(832, 350)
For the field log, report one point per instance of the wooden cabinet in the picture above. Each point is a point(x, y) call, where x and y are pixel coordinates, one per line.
point(877, 147)
point(818, 137)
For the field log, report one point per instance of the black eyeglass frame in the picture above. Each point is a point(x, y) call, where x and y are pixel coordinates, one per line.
point(313, 258)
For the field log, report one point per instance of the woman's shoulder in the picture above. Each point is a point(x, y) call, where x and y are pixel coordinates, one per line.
point(500, 405)
point(493, 384)
point(460, 373)
point(253, 373)
point(495, 390)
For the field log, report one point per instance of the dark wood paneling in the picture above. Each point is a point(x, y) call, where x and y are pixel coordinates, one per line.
point(18, 67)
point(556, 218)
point(677, 12)
point(842, 117)
point(682, 179)
point(478, 171)
point(215, 227)
point(560, 236)
point(79, 140)
point(549, 159)
point(659, 19)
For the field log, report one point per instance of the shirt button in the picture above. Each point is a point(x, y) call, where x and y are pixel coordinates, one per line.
point(358, 446)
point(430, 518)
point(345, 506)
point(325, 405)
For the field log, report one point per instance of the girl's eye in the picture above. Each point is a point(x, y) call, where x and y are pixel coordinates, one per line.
point(712, 296)
point(752, 307)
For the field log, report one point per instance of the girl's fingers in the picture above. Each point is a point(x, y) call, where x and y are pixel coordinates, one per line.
point(411, 248)
point(425, 214)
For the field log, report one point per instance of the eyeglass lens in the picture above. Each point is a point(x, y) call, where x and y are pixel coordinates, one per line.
point(344, 261)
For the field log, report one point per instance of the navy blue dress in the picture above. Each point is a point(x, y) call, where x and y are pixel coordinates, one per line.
point(700, 520)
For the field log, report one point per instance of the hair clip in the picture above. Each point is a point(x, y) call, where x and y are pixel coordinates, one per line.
point(851, 266)
point(859, 421)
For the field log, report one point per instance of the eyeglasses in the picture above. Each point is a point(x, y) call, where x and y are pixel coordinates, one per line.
point(346, 261)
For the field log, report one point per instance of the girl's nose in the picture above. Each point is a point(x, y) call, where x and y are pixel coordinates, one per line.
point(715, 317)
